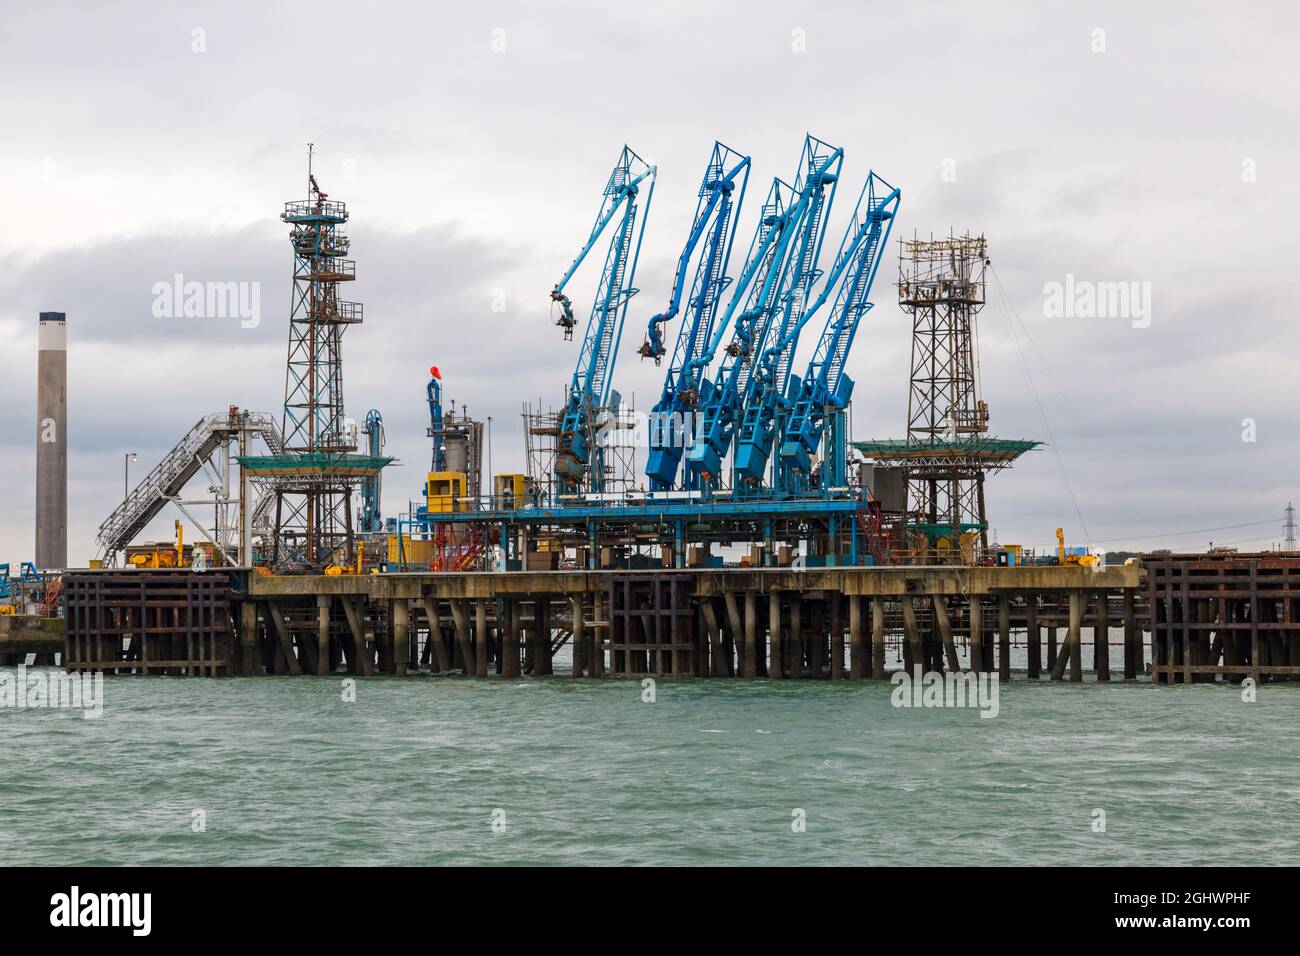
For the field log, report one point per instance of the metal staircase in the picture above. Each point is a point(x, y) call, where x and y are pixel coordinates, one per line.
point(175, 470)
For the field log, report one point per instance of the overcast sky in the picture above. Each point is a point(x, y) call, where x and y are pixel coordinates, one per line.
point(1150, 143)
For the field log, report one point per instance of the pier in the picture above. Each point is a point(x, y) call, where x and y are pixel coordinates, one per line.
point(777, 623)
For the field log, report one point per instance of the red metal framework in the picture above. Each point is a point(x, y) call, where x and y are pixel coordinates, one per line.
point(457, 547)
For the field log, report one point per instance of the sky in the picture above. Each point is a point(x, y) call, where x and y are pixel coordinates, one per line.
point(1151, 144)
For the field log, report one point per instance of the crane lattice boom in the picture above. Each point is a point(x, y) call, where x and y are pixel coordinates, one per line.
point(825, 387)
point(711, 234)
point(589, 389)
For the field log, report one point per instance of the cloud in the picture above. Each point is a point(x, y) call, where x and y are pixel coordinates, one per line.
point(473, 169)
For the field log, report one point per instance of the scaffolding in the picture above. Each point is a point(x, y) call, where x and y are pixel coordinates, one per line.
point(613, 435)
point(541, 435)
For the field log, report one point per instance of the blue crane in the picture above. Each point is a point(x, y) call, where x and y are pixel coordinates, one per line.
point(820, 397)
point(372, 521)
point(757, 290)
point(781, 264)
point(716, 205)
point(588, 400)
point(762, 411)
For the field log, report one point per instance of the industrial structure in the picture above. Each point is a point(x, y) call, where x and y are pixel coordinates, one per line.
point(774, 289)
point(580, 461)
point(424, 540)
point(748, 542)
point(290, 504)
point(741, 452)
point(314, 478)
point(212, 447)
point(372, 519)
point(948, 453)
point(706, 256)
point(744, 458)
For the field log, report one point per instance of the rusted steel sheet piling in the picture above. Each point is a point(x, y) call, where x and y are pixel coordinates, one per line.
point(1223, 615)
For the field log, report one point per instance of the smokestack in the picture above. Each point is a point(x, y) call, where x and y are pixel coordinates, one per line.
point(51, 442)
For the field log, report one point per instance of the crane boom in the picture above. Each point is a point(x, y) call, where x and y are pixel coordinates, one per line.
point(589, 388)
point(825, 388)
point(714, 212)
point(765, 384)
point(756, 290)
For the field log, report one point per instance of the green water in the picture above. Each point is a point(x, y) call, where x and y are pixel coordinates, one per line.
point(286, 772)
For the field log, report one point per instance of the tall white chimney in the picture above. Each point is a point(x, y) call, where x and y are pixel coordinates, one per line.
point(52, 442)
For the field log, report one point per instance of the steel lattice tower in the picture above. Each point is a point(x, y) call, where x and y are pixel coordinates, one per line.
point(314, 476)
point(313, 390)
point(941, 283)
point(947, 452)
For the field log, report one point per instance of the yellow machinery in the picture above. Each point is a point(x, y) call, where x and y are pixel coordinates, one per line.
point(444, 491)
point(169, 554)
point(1079, 560)
point(509, 491)
point(334, 570)
point(160, 554)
